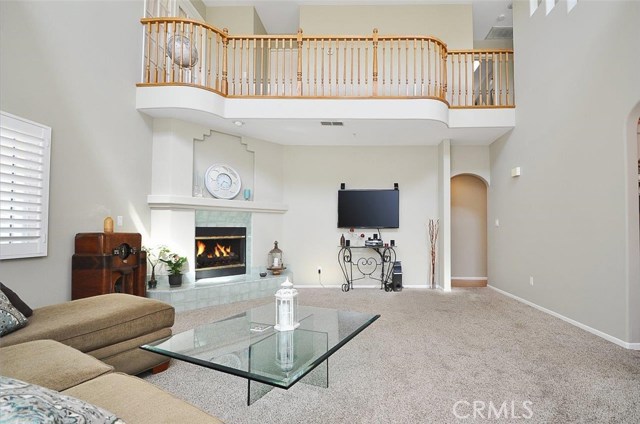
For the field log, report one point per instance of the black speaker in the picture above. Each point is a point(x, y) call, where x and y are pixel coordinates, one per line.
point(396, 278)
point(342, 186)
point(395, 186)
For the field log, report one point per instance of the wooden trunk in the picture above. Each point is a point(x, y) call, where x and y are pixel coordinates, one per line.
point(108, 263)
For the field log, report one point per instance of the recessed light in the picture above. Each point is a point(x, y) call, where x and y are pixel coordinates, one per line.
point(238, 123)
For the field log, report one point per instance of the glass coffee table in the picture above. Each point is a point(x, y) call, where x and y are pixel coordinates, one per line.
point(246, 345)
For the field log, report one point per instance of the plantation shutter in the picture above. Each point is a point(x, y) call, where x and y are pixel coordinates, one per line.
point(25, 150)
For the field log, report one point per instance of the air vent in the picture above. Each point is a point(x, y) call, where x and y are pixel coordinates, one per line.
point(331, 123)
point(500, 33)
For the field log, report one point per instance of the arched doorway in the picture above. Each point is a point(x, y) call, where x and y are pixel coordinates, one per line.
point(633, 216)
point(468, 231)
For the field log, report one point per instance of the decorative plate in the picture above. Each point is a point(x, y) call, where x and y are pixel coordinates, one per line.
point(222, 181)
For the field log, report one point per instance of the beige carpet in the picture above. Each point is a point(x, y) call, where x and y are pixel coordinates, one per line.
point(433, 358)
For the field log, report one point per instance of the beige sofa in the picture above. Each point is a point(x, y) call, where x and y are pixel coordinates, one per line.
point(109, 327)
point(69, 372)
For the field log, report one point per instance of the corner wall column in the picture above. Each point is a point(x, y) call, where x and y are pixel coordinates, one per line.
point(444, 214)
point(172, 173)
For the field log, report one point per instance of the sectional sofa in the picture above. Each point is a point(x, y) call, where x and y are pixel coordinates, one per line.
point(78, 358)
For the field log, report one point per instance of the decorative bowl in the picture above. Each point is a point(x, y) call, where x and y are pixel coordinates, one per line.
point(263, 274)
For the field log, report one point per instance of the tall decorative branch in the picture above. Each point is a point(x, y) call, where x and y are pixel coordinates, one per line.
point(434, 227)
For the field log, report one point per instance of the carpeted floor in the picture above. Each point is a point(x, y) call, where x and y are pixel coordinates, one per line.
point(433, 358)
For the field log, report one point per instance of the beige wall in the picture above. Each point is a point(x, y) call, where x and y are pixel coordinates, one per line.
point(468, 227)
point(473, 160)
point(312, 177)
point(565, 220)
point(453, 24)
point(237, 19)
point(65, 66)
point(200, 7)
point(258, 27)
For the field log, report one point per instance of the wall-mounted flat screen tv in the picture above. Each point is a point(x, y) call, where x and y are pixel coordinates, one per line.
point(368, 209)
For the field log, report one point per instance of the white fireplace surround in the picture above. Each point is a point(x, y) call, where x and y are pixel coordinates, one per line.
point(173, 207)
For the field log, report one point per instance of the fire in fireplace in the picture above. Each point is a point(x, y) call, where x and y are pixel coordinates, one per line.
point(220, 251)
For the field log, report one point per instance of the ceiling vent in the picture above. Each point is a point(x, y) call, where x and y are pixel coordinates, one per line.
point(500, 33)
point(331, 123)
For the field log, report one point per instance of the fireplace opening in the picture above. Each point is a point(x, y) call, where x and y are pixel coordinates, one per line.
point(220, 251)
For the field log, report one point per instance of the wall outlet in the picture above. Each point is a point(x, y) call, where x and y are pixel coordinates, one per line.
point(119, 221)
point(530, 281)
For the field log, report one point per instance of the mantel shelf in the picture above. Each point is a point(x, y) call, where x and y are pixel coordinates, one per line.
point(162, 201)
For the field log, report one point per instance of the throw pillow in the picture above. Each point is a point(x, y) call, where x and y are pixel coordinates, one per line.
point(22, 402)
point(16, 301)
point(11, 319)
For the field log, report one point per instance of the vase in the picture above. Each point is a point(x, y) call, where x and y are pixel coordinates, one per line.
point(152, 284)
point(175, 280)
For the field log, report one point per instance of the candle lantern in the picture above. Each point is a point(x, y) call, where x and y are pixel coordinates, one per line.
point(286, 307)
point(274, 260)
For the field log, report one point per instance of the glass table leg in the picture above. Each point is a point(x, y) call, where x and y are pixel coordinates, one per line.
point(256, 390)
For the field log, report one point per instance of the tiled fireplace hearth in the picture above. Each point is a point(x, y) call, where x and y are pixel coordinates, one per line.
point(221, 289)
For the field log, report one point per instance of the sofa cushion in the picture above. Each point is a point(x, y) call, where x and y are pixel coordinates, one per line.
point(127, 357)
point(11, 319)
point(22, 402)
point(50, 364)
point(136, 401)
point(16, 301)
point(95, 322)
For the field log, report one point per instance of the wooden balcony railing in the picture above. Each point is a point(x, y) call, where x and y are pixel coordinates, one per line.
point(187, 52)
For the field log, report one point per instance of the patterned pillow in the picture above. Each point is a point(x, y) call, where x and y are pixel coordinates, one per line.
point(16, 301)
point(10, 318)
point(22, 402)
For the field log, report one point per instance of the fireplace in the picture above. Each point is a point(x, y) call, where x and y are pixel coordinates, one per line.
point(220, 251)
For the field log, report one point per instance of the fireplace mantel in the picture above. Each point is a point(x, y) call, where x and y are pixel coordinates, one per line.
point(160, 201)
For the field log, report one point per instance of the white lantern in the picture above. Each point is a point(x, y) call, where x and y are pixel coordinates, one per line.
point(285, 351)
point(286, 307)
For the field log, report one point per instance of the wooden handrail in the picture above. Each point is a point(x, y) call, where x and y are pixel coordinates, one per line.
point(182, 51)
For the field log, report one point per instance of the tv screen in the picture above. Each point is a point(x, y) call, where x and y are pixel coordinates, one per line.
point(368, 209)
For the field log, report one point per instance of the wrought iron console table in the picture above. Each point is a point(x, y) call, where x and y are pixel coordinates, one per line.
point(366, 267)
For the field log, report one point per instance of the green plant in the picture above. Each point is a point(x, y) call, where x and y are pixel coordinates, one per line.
point(174, 262)
point(154, 255)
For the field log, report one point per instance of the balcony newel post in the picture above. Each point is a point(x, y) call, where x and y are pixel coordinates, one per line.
point(225, 45)
point(375, 61)
point(443, 94)
point(299, 72)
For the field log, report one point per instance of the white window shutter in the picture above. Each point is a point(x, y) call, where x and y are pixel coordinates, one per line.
point(25, 152)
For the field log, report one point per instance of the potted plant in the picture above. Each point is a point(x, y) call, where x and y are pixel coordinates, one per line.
point(153, 256)
point(174, 263)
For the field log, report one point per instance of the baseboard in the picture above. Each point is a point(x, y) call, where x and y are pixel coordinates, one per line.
point(468, 281)
point(608, 337)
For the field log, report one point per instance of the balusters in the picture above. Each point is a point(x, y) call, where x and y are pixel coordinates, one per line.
point(225, 49)
point(332, 66)
point(509, 96)
point(299, 64)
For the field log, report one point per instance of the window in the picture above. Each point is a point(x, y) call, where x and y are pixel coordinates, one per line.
point(25, 150)
point(533, 6)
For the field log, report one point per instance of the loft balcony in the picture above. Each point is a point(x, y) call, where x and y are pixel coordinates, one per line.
point(371, 86)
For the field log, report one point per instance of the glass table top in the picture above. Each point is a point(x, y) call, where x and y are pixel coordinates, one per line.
point(247, 345)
